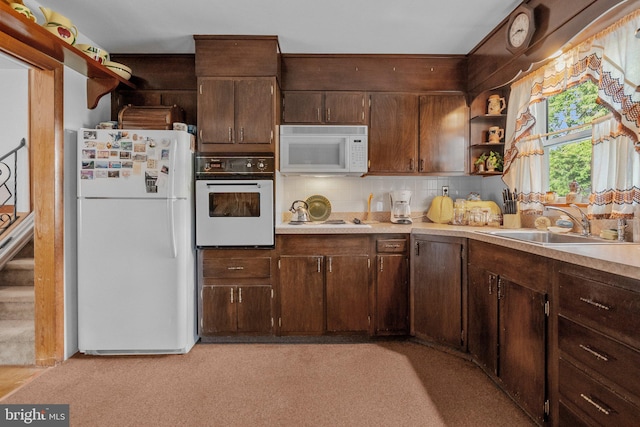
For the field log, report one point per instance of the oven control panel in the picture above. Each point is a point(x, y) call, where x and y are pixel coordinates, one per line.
point(209, 166)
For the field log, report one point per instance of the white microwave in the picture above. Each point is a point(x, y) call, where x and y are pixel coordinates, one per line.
point(323, 150)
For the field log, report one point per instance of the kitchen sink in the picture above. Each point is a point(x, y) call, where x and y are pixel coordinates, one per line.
point(547, 238)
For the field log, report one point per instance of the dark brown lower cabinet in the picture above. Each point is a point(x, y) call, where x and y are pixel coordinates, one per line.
point(438, 275)
point(301, 294)
point(392, 294)
point(392, 285)
point(324, 284)
point(235, 309)
point(236, 292)
point(508, 322)
point(347, 293)
point(598, 357)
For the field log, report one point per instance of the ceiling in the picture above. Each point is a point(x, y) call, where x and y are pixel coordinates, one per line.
point(302, 26)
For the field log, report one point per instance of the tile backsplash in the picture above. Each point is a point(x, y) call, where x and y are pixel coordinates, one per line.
point(350, 194)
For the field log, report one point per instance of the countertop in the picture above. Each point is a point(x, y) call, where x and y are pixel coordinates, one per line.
point(616, 258)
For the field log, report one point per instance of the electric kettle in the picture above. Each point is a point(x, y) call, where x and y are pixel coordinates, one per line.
point(301, 212)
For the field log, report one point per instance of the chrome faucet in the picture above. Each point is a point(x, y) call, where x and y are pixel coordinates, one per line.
point(584, 222)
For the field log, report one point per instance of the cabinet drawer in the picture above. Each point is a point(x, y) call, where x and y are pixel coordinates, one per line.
point(605, 308)
point(391, 245)
point(612, 360)
point(236, 268)
point(570, 418)
point(598, 403)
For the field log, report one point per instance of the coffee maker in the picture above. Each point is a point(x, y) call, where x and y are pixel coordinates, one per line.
point(400, 207)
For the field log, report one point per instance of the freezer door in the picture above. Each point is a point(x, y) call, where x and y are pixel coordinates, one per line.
point(136, 276)
point(134, 163)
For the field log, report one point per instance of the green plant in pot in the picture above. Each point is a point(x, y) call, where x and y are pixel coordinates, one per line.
point(494, 161)
point(480, 162)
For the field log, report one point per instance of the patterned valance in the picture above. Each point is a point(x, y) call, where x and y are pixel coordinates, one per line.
point(611, 59)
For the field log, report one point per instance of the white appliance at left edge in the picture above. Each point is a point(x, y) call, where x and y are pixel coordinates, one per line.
point(136, 249)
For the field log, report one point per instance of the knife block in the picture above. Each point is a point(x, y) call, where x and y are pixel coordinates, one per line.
point(511, 221)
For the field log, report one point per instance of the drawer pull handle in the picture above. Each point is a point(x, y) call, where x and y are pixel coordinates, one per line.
point(595, 304)
point(600, 408)
point(395, 246)
point(235, 268)
point(594, 353)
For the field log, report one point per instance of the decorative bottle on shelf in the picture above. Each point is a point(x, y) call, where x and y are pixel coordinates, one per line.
point(574, 192)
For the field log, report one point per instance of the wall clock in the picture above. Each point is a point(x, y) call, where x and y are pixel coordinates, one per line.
point(520, 29)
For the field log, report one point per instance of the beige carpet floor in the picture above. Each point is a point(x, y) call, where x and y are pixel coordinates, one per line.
point(369, 384)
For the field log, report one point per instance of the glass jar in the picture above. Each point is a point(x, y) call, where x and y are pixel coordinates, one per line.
point(476, 217)
point(460, 212)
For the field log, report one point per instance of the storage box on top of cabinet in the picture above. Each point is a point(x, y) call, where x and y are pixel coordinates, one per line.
point(158, 117)
point(237, 56)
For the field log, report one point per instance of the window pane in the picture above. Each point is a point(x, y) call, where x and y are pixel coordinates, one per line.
point(574, 106)
point(568, 162)
point(570, 158)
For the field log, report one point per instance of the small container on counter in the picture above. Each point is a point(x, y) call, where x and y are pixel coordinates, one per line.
point(460, 214)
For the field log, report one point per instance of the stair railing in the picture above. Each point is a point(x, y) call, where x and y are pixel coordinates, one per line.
point(7, 197)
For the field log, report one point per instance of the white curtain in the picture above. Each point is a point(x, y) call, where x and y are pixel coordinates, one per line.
point(525, 154)
point(615, 172)
point(611, 59)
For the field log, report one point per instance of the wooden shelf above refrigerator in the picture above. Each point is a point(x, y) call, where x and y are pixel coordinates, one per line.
point(100, 80)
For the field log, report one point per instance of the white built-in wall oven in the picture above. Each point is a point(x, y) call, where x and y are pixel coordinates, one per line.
point(235, 201)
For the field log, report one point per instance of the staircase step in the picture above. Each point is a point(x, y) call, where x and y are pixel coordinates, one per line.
point(17, 303)
point(18, 272)
point(17, 342)
point(26, 251)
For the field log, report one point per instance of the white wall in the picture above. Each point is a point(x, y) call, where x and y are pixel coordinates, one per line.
point(350, 194)
point(14, 125)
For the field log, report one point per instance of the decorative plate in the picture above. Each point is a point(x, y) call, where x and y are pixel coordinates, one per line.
point(319, 207)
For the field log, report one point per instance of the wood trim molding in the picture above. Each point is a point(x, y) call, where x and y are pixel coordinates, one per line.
point(45, 142)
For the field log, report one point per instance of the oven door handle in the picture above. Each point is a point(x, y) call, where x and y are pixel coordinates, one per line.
point(248, 184)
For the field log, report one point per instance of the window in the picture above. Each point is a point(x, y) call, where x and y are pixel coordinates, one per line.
point(568, 150)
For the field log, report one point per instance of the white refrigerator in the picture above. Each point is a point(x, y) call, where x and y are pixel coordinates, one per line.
point(136, 251)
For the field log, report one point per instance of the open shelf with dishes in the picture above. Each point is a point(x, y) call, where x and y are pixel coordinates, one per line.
point(486, 132)
point(100, 79)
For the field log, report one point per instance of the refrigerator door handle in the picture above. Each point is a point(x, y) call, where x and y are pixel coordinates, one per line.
point(173, 249)
point(172, 169)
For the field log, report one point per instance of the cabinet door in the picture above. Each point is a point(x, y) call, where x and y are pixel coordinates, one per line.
point(303, 107)
point(522, 345)
point(301, 294)
point(254, 111)
point(254, 309)
point(437, 291)
point(483, 317)
point(444, 123)
point(347, 293)
point(393, 134)
point(219, 309)
point(216, 111)
point(392, 298)
point(344, 107)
